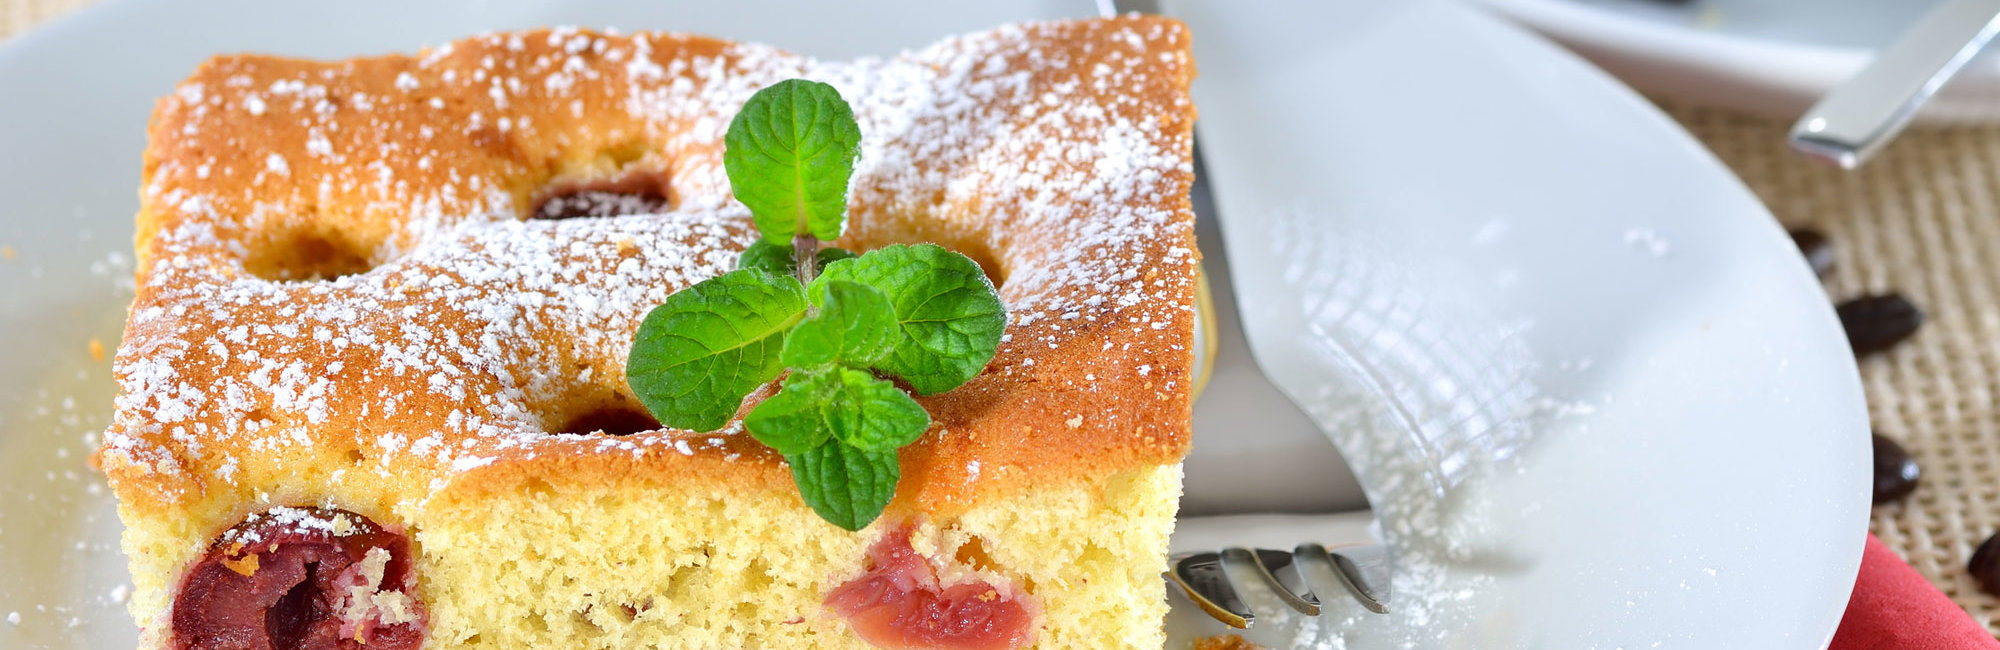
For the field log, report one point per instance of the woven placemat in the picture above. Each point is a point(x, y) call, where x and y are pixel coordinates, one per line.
point(1923, 219)
point(18, 15)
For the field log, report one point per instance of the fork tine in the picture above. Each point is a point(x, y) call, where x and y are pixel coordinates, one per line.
point(1285, 567)
point(1362, 573)
point(1369, 565)
point(1278, 572)
point(1200, 575)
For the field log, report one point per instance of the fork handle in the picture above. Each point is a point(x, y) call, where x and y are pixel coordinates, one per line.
point(1867, 111)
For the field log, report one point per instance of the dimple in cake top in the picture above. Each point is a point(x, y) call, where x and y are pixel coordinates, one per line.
point(336, 275)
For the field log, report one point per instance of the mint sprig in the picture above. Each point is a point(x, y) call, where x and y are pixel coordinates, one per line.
point(847, 486)
point(766, 256)
point(840, 427)
point(948, 318)
point(699, 353)
point(852, 324)
point(839, 403)
point(789, 154)
point(838, 326)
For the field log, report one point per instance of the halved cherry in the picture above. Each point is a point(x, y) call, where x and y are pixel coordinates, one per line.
point(898, 603)
point(316, 578)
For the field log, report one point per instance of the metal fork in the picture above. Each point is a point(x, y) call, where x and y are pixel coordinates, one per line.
point(1362, 570)
point(1864, 113)
point(1206, 578)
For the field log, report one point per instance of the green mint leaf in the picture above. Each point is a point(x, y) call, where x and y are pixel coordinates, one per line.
point(789, 153)
point(791, 421)
point(853, 324)
point(847, 486)
point(949, 317)
point(699, 353)
point(882, 417)
point(767, 257)
point(828, 255)
point(777, 260)
point(847, 404)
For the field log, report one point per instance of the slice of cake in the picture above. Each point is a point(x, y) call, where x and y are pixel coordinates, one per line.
point(374, 379)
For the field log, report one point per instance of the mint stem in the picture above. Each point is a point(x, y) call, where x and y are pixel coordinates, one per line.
point(805, 255)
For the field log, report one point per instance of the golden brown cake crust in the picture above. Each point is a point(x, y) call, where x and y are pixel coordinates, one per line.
point(457, 334)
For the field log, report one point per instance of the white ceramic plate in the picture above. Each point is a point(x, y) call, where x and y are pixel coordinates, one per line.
point(1524, 189)
point(1595, 396)
point(1774, 57)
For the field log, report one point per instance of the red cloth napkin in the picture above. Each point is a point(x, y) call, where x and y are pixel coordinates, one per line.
point(1894, 608)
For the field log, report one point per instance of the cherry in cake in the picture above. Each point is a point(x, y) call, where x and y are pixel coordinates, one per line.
point(899, 601)
point(301, 578)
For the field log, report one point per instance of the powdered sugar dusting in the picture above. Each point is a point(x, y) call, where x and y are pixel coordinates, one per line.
point(281, 520)
point(466, 332)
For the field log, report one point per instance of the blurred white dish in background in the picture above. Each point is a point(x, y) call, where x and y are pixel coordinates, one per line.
point(1770, 57)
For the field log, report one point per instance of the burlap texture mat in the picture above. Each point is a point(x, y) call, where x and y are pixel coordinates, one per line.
point(1923, 219)
point(18, 15)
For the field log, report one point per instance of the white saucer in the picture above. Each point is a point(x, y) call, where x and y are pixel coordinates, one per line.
point(1772, 57)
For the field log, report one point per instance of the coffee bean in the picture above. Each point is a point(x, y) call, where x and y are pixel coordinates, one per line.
point(1896, 472)
point(1874, 323)
point(1817, 249)
point(1985, 565)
